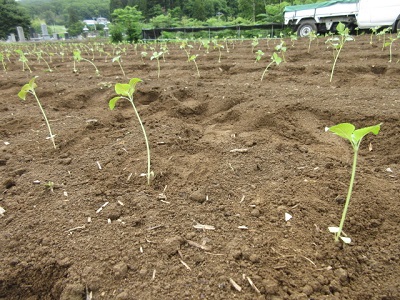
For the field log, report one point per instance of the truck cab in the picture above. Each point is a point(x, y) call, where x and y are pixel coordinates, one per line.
point(324, 16)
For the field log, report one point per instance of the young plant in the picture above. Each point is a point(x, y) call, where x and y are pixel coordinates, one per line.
point(126, 91)
point(293, 38)
point(143, 54)
point(338, 42)
point(281, 48)
point(254, 44)
point(389, 44)
point(78, 58)
point(157, 55)
point(2, 62)
point(374, 31)
point(206, 45)
point(118, 59)
point(259, 55)
point(219, 46)
point(30, 88)
point(193, 59)
point(383, 33)
point(348, 131)
point(40, 57)
point(312, 36)
point(23, 59)
point(275, 59)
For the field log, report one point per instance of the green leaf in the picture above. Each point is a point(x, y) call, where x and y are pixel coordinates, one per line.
point(22, 93)
point(360, 133)
point(122, 89)
point(32, 83)
point(134, 81)
point(276, 58)
point(116, 58)
point(29, 87)
point(77, 55)
point(112, 102)
point(345, 130)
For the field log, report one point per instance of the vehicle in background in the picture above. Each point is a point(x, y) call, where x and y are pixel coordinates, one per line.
point(324, 16)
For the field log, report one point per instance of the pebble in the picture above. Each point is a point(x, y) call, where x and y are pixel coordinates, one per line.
point(198, 196)
point(120, 270)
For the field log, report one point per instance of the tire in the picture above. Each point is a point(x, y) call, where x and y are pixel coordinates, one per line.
point(397, 26)
point(305, 28)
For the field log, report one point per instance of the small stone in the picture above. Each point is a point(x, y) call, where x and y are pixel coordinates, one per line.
point(255, 212)
point(236, 254)
point(113, 211)
point(73, 292)
point(299, 296)
point(271, 287)
point(250, 143)
point(65, 161)
point(122, 296)
point(334, 286)
point(120, 270)
point(307, 289)
point(171, 245)
point(254, 258)
point(198, 196)
point(342, 275)
point(143, 272)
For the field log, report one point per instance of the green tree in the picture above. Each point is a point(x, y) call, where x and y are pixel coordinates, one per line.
point(129, 19)
point(76, 28)
point(11, 16)
point(249, 9)
point(164, 21)
point(274, 13)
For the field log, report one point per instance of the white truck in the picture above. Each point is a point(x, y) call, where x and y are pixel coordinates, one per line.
point(324, 16)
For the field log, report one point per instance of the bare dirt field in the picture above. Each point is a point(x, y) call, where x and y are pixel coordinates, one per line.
point(228, 151)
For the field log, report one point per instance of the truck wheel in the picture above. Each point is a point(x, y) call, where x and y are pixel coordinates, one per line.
point(305, 28)
point(397, 27)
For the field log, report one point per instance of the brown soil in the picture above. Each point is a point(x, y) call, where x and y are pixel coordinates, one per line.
point(144, 244)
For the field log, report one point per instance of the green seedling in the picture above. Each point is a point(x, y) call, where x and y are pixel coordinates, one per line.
point(206, 45)
point(23, 59)
point(259, 55)
point(30, 88)
point(219, 47)
point(338, 42)
point(275, 59)
point(157, 55)
point(374, 31)
point(118, 60)
point(354, 136)
point(62, 56)
point(293, 38)
point(390, 44)
point(281, 48)
point(184, 45)
point(143, 54)
point(383, 33)
point(193, 59)
point(50, 186)
point(164, 48)
point(312, 36)
point(78, 58)
point(254, 44)
point(126, 91)
point(40, 57)
point(2, 62)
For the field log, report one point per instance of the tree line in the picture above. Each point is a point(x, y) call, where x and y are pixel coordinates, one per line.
point(152, 13)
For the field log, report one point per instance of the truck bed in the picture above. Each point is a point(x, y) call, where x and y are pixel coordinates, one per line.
point(293, 14)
